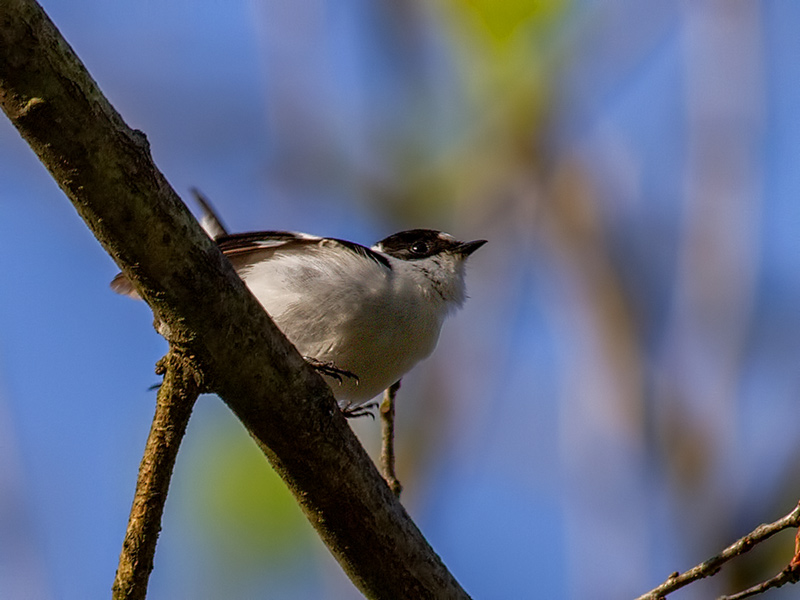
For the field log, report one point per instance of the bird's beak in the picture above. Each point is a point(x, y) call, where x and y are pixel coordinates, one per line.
point(467, 248)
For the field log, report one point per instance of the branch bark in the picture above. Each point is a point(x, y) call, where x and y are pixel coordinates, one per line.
point(387, 439)
point(203, 308)
point(176, 399)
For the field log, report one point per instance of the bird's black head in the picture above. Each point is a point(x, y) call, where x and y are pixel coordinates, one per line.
point(416, 244)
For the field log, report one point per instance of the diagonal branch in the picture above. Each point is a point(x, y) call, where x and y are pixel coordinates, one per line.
point(106, 170)
point(790, 574)
point(714, 564)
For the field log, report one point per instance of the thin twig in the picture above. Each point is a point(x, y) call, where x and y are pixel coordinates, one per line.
point(387, 439)
point(176, 398)
point(791, 574)
point(714, 564)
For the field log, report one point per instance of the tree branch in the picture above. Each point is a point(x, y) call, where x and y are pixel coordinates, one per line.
point(176, 398)
point(106, 170)
point(742, 545)
point(791, 574)
point(387, 439)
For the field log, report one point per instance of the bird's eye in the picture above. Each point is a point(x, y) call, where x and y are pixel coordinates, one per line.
point(419, 248)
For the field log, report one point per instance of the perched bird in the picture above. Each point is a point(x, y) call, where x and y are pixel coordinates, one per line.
point(363, 316)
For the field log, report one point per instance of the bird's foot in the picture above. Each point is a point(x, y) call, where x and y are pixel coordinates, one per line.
point(328, 368)
point(351, 411)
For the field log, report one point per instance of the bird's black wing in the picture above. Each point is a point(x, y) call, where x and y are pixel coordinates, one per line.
point(246, 248)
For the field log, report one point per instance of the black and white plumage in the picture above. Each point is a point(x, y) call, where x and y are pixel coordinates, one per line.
point(374, 312)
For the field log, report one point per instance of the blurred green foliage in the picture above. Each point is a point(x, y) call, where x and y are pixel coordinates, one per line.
point(249, 516)
point(501, 21)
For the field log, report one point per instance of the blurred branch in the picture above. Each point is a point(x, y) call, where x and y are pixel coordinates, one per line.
point(712, 566)
point(176, 398)
point(204, 309)
point(387, 439)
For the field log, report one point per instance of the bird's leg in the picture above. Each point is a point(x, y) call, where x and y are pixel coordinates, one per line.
point(387, 439)
point(330, 369)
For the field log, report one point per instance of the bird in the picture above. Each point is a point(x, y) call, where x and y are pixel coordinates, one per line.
point(363, 316)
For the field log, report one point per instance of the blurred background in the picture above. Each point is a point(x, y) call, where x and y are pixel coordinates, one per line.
point(617, 400)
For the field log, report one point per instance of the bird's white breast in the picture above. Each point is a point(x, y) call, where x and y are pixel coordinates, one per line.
point(352, 311)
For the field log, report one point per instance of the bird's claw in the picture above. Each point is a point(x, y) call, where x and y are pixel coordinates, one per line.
point(331, 370)
point(360, 410)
